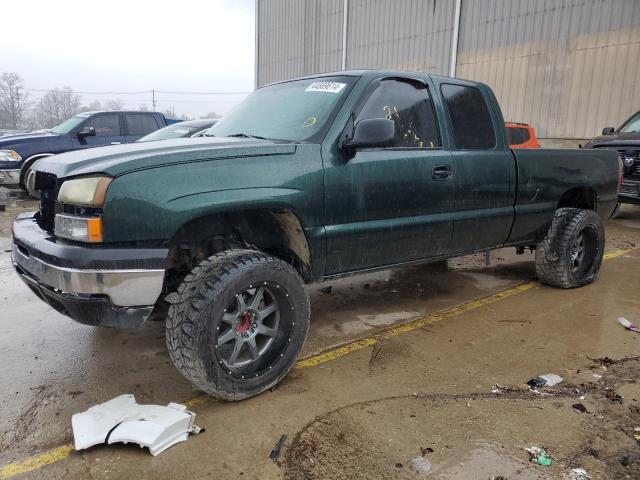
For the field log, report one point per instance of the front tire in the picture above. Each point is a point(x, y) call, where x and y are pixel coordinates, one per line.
point(239, 324)
point(570, 255)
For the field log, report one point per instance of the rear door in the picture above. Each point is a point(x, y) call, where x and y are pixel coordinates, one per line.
point(139, 124)
point(390, 205)
point(484, 168)
point(108, 131)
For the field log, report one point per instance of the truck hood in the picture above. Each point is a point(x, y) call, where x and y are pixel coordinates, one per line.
point(24, 138)
point(631, 140)
point(120, 159)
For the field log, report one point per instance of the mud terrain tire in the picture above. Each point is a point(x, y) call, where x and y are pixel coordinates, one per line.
point(570, 255)
point(209, 318)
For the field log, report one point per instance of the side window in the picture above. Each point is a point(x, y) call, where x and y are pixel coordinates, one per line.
point(106, 125)
point(518, 135)
point(470, 118)
point(409, 106)
point(140, 124)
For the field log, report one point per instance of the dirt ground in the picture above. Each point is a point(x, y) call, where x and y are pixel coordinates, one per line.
point(448, 394)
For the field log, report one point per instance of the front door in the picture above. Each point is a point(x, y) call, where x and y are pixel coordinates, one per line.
point(108, 131)
point(390, 205)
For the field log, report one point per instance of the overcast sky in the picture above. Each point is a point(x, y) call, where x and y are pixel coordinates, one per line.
point(134, 45)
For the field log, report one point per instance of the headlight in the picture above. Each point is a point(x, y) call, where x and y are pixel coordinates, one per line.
point(9, 156)
point(84, 192)
point(81, 229)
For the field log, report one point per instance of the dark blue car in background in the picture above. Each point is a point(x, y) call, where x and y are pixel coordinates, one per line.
point(85, 130)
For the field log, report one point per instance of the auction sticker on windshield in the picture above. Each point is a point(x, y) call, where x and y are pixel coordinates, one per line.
point(331, 87)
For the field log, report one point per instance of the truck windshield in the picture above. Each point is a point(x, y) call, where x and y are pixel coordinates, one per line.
point(293, 111)
point(69, 124)
point(633, 125)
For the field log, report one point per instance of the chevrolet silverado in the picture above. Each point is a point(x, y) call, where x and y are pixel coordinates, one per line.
point(305, 180)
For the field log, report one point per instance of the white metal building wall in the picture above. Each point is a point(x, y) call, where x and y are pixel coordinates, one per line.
point(569, 67)
point(404, 35)
point(297, 37)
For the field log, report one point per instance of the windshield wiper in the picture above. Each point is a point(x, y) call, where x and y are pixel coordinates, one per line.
point(246, 135)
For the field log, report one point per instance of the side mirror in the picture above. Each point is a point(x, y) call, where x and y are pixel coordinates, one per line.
point(608, 131)
point(87, 132)
point(371, 133)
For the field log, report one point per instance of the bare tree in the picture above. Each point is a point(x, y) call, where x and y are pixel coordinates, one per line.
point(57, 105)
point(92, 107)
point(114, 104)
point(211, 115)
point(143, 107)
point(31, 119)
point(13, 99)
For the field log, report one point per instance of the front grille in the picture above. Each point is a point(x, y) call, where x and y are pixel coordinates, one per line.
point(629, 189)
point(47, 186)
point(633, 170)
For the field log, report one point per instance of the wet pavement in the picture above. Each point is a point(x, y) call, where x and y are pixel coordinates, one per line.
point(366, 414)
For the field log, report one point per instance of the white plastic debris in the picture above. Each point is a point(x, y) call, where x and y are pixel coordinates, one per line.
point(552, 379)
point(548, 380)
point(123, 420)
point(628, 325)
point(578, 474)
point(420, 465)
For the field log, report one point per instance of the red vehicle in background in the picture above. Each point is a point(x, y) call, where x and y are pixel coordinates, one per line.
point(521, 135)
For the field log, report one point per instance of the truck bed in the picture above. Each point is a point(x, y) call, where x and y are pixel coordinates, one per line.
point(545, 176)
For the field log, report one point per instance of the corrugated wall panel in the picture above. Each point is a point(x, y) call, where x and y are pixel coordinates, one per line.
point(410, 35)
point(569, 67)
point(298, 37)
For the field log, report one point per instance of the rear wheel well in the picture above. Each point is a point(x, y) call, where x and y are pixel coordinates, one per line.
point(276, 232)
point(585, 198)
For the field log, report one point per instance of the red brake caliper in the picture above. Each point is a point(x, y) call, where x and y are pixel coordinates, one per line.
point(245, 323)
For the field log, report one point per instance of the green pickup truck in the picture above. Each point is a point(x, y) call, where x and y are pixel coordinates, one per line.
point(306, 180)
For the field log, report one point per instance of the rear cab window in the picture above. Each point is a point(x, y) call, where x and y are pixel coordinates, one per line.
point(470, 117)
point(408, 104)
point(140, 123)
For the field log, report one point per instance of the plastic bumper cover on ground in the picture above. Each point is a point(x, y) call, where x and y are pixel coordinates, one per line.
point(111, 287)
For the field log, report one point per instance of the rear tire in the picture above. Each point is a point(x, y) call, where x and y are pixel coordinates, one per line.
point(570, 255)
point(239, 324)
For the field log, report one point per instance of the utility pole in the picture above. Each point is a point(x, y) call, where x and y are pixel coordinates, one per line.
point(153, 99)
point(16, 110)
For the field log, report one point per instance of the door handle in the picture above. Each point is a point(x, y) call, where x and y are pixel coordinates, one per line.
point(116, 143)
point(441, 172)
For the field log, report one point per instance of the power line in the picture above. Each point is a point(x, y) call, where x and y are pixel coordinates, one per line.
point(143, 92)
point(204, 93)
point(90, 93)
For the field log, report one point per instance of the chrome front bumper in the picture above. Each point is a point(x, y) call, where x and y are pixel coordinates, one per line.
point(10, 177)
point(125, 288)
point(99, 286)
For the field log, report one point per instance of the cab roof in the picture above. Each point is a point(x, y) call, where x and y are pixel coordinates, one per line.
point(371, 74)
